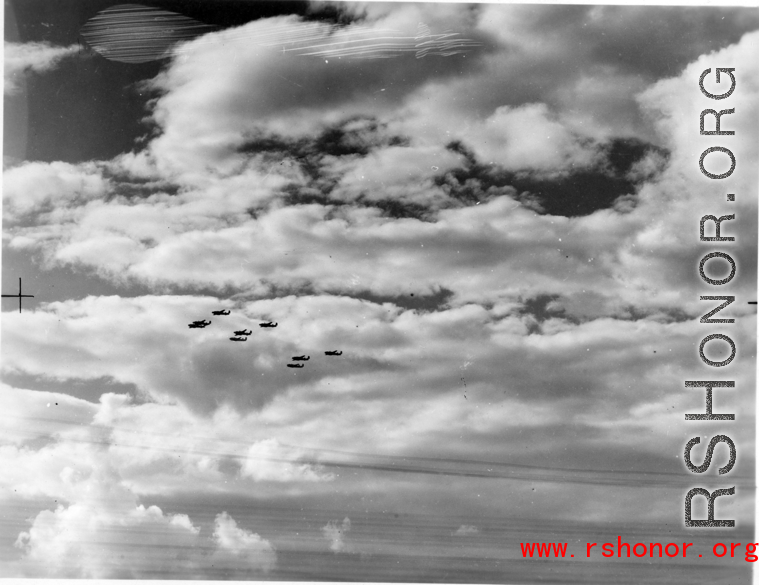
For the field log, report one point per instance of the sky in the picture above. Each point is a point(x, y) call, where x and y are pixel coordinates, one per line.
point(491, 210)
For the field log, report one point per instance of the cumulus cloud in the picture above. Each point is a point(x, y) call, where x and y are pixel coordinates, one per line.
point(105, 539)
point(269, 461)
point(220, 230)
point(92, 541)
point(239, 551)
point(407, 216)
point(38, 57)
point(466, 530)
point(102, 530)
point(530, 138)
point(42, 187)
point(335, 533)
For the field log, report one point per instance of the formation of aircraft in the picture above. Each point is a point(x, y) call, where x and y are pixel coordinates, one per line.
point(304, 358)
point(242, 335)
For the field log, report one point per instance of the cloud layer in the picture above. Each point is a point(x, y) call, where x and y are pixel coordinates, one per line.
point(503, 243)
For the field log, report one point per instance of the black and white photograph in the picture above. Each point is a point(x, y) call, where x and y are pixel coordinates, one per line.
point(437, 292)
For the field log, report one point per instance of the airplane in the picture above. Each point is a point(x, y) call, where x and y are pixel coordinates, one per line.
point(239, 338)
point(269, 324)
point(199, 324)
point(243, 332)
point(301, 358)
point(335, 352)
point(223, 312)
point(294, 365)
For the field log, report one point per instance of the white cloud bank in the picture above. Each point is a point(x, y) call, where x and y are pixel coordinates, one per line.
point(105, 534)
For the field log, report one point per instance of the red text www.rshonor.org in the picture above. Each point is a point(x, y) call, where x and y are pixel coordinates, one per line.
point(640, 549)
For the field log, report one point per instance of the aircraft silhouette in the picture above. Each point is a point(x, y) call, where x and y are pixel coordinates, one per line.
point(335, 352)
point(223, 312)
point(301, 358)
point(294, 365)
point(199, 324)
point(239, 338)
point(269, 324)
point(243, 332)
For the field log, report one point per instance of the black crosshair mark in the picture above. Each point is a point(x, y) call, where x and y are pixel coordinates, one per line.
point(19, 295)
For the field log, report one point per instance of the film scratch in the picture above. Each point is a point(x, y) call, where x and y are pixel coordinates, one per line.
point(320, 291)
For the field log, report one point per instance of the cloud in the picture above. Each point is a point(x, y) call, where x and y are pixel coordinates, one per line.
point(58, 543)
point(34, 416)
point(466, 530)
point(335, 533)
point(529, 137)
point(337, 188)
point(108, 540)
point(38, 187)
point(240, 552)
point(38, 57)
point(326, 210)
point(269, 461)
point(104, 533)
point(221, 231)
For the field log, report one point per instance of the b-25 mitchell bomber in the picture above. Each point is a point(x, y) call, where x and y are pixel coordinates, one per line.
point(335, 352)
point(243, 332)
point(222, 312)
point(199, 324)
point(301, 358)
point(269, 324)
point(294, 365)
point(239, 338)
